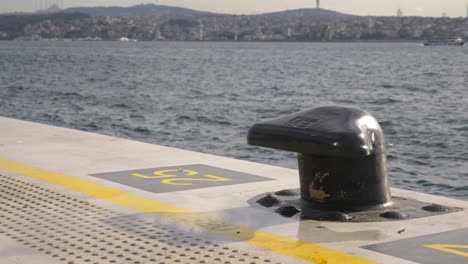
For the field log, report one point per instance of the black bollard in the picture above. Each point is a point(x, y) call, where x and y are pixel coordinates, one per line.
point(341, 155)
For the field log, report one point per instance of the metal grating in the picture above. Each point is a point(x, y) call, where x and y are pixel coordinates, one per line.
point(75, 231)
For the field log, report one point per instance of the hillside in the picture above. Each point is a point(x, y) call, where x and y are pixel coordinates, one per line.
point(135, 11)
point(19, 25)
point(312, 13)
point(156, 22)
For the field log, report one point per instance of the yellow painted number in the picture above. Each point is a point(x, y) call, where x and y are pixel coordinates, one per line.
point(165, 174)
point(450, 249)
point(170, 177)
point(187, 181)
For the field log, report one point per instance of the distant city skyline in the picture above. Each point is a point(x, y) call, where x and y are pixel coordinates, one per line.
point(433, 8)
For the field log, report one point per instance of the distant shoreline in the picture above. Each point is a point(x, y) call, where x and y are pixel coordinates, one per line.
point(163, 23)
point(224, 41)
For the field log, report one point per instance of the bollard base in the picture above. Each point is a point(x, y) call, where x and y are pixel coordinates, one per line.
point(400, 209)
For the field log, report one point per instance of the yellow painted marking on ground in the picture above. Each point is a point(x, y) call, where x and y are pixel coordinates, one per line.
point(209, 178)
point(450, 249)
point(162, 174)
point(266, 240)
point(150, 177)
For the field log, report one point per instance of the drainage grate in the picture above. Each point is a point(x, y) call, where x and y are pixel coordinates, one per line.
point(75, 231)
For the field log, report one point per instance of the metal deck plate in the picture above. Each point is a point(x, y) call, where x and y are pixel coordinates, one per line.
point(448, 247)
point(70, 230)
point(179, 178)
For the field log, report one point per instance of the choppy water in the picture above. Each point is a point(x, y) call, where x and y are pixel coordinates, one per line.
point(204, 96)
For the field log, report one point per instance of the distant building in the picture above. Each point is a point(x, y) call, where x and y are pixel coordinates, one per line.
point(399, 12)
point(466, 10)
point(318, 4)
point(202, 30)
point(444, 14)
point(54, 8)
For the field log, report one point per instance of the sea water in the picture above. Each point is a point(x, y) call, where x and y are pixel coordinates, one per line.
point(203, 96)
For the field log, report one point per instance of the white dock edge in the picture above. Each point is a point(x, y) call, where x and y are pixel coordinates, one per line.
point(75, 197)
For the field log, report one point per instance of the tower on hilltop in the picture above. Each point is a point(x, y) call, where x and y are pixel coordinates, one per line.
point(399, 12)
point(318, 4)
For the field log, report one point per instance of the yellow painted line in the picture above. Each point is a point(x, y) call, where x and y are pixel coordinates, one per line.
point(450, 249)
point(266, 240)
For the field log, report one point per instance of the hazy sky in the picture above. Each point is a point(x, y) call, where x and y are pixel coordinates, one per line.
point(453, 8)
